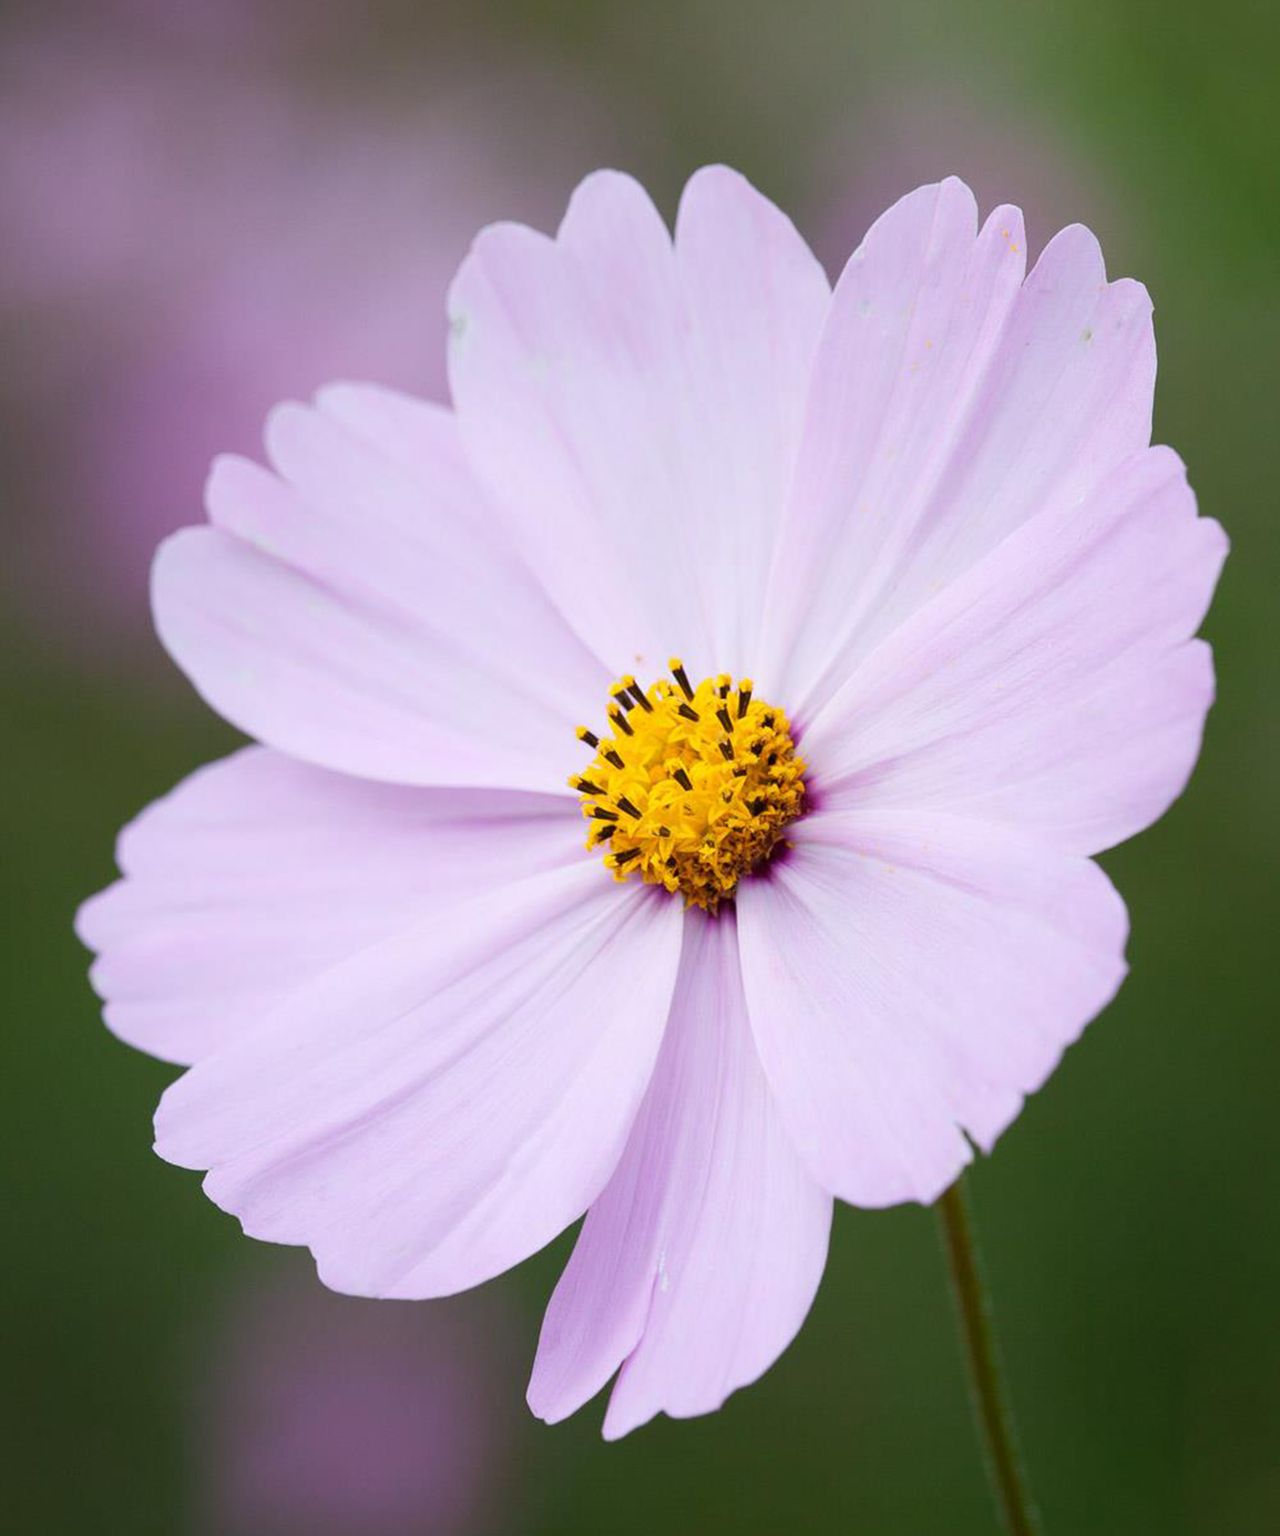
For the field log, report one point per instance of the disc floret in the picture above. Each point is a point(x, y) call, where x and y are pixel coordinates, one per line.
point(693, 787)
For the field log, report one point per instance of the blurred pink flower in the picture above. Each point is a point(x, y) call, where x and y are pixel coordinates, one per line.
point(192, 243)
point(326, 1416)
point(914, 136)
point(426, 1030)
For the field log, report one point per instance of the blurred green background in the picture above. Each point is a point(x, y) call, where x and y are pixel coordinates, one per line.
point(1131, 1218)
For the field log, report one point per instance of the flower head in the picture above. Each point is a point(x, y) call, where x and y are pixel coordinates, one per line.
point(932, 594)
point(694, 787)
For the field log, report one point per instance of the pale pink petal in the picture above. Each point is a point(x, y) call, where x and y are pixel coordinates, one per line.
point(445, 1103)
point(949, 404)
point(910, 977)
point(757, 299)
point(698, 1263)
point(1053, 687)
point(634, 407)
point(357, 608)
point(259, 872)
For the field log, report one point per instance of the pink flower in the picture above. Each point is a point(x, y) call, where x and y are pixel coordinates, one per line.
point(194, 239)
point(427, 1031)
point(332, 1417)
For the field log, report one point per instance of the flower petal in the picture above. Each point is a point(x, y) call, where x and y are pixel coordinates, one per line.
point(633, 405)
point(259, 872)
point(910, 976)
point(698, 1263)
point(445, 1103)
point(1053, 687)
point(950, 402)
point(357, 609)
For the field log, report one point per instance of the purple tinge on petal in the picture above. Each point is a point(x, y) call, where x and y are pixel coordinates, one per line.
point(911, 976)
point(635, 404)
point(259, 873)
point(323, 1415)
point(697, 1264)
point(950, 402)
point(1053, 686)
point(356, 608)
point(442, 1105)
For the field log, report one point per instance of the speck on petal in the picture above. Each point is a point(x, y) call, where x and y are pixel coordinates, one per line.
point(697, 1264)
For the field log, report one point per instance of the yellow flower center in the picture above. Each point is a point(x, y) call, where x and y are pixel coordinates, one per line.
point(694, 786)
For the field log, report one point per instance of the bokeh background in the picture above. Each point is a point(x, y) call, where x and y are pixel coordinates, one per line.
point(208, 206)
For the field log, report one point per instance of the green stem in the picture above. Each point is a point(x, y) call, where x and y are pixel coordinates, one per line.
point(990, 1402)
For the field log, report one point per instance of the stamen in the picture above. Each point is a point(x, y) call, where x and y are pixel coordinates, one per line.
point(590, 737)
point(637, 693)
point(681, 676)
point(714, 806)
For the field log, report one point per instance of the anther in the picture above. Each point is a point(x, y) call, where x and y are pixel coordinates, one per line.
point(649, 813)
point(637, 693)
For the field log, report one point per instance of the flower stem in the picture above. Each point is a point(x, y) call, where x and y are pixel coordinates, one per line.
point(990, 1402)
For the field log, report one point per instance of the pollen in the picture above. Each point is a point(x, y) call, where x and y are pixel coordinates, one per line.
point(690, 788)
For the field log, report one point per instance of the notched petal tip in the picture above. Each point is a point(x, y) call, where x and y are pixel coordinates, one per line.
point(604, 193)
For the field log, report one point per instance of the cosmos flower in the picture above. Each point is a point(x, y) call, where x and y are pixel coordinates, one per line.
point(318, 1415)
point(870, 612)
